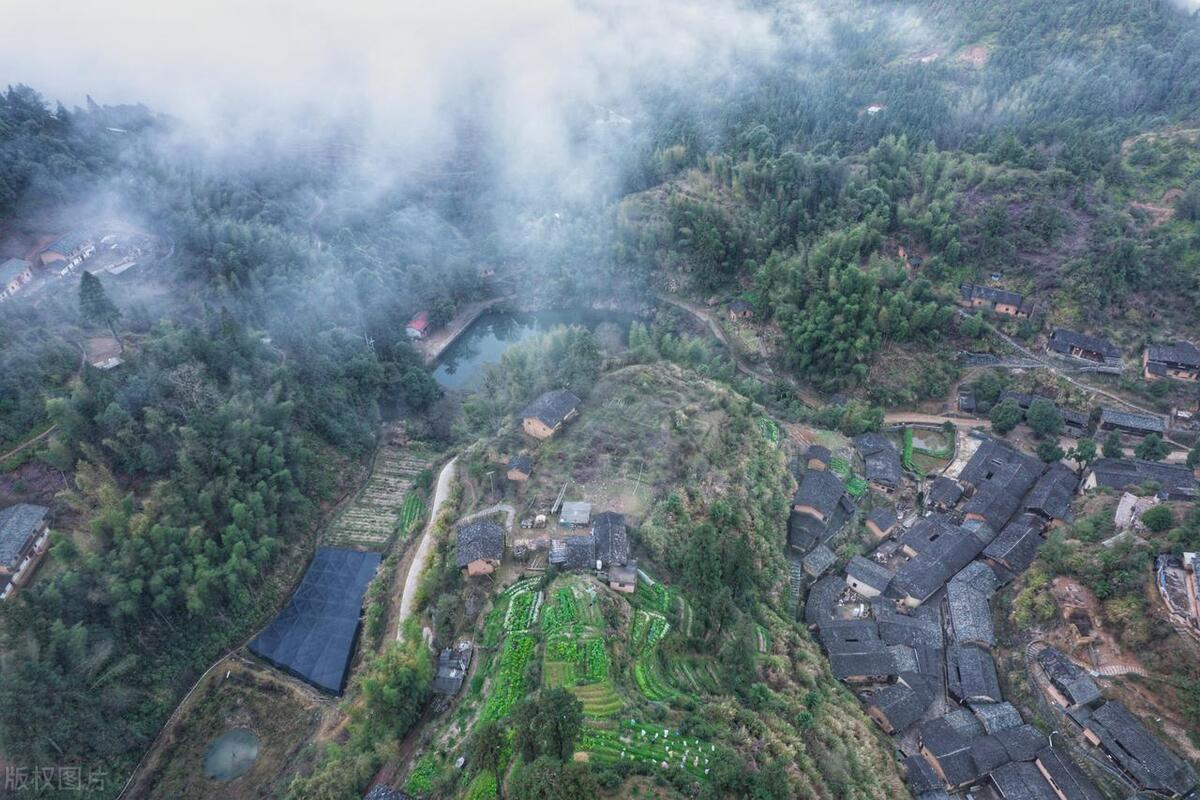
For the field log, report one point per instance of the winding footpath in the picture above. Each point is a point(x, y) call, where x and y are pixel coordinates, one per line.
point(445, 478)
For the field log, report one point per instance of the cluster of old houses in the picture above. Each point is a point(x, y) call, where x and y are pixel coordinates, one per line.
point(910, 625)
point(599, 543)
point(61, 257)
point(24, 532)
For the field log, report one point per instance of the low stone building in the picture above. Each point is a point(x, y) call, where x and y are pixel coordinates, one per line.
point(480, 547)
point(546, 415)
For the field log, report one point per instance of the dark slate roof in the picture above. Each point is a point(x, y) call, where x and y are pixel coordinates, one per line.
point(1184, 354)
point(989, 459)
point(1068, 677)
point(574, 552)
point(869, 572)
point(1017, 545)
point(818, 607)
point(819, 560)
point(740, 306)
point(915, 630)
point(11, 268)
point(1001, 485)
point(902, 704)
point(928, 571)
point(881, 458)
point(1051, 496)
point(1066, 777)
point(971, 674)
point(18, 524)
point(1073, 419)
point(480, 539)
point(876, 662)
point(978, 576)
point(1139, 751)
point(883, 518)
point(612, 539)
point(820, 489)
point(927, 531)
point(522, 463)
point(970, 615)
point(850, 636)
point(313, 636)
point(1122, 473)
point(948, 738)
point(1022, 742)
point(819, 452)
point(919, 775)
point(452, 669)
point(944, 492)
point(1062, 340)
point(997, 717)
point(624, 573)
point(1150, 423)
point(1021, 780)
point(971, 291)
point(552, 407)
point(804, 532)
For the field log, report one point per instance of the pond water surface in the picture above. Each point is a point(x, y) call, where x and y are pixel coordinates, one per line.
point(231, 755)
point(461, 365)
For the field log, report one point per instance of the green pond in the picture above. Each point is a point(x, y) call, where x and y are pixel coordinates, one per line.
point(231, 755)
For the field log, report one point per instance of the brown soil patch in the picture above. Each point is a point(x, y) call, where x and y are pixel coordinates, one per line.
point(976, 56)
point(1083, 627)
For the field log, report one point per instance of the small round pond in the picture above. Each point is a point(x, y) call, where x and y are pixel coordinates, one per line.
point(461, 365)
point(231, 755)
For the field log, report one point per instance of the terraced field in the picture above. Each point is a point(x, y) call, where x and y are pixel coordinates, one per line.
point(648, 746)
point(576, 656)
point(388, 504)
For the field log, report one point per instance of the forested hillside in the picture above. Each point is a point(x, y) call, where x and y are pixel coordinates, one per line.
point(1054, 144)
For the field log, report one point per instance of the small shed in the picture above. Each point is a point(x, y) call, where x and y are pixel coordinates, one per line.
point(575, 514)
point(418, 326)
point(740, 309)
point(623, 578)
point(520, 467)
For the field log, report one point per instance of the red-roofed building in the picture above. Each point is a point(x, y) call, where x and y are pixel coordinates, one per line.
point(418, 326)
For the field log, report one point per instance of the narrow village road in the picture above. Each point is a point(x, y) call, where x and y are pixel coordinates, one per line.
point(705, 316)
point(916, 418)
point(445, 478)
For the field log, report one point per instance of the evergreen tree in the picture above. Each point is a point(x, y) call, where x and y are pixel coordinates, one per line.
point(1112, 445)
point(95, 307)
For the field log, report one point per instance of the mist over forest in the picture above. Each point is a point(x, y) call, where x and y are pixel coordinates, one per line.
point(274, 193)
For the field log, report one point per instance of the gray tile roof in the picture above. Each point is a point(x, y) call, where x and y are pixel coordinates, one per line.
point(1139, 752)
point(948, 739)
point(818, 452)
point(997, 717)
point(452, 667)
point(972, 291)
point(1122, 473)
point(901, 704)
point(612, 539)
point(1183, 354)
point(552, 407)
point(914, 630)
point(521, 462)
point(18, 524)
point(574, 552)
point(1021, 780)
point(989, 459)
point(818, 561)
point(1017, 545)
point(944, 492)
point(869, 572)
point(928, 571)
point(480, 539)
point(926, 531)
point(1142, 423)
point(1067, 778)
point(919, 775)
point(851, 636)
point(880, 457)
point(821, 490)
point(1068, 677)
point(818, 607)
point(1000, 490)
point(970, 615)
point(1062, 340)
point(69, 242)
point(1051, 496)
point(971, 674)
point(883, 518)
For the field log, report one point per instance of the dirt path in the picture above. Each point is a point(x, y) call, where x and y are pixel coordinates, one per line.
point(32, 441)
point(508, 510)
point(705, 316)
point(915, 418)
point(445, 478)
